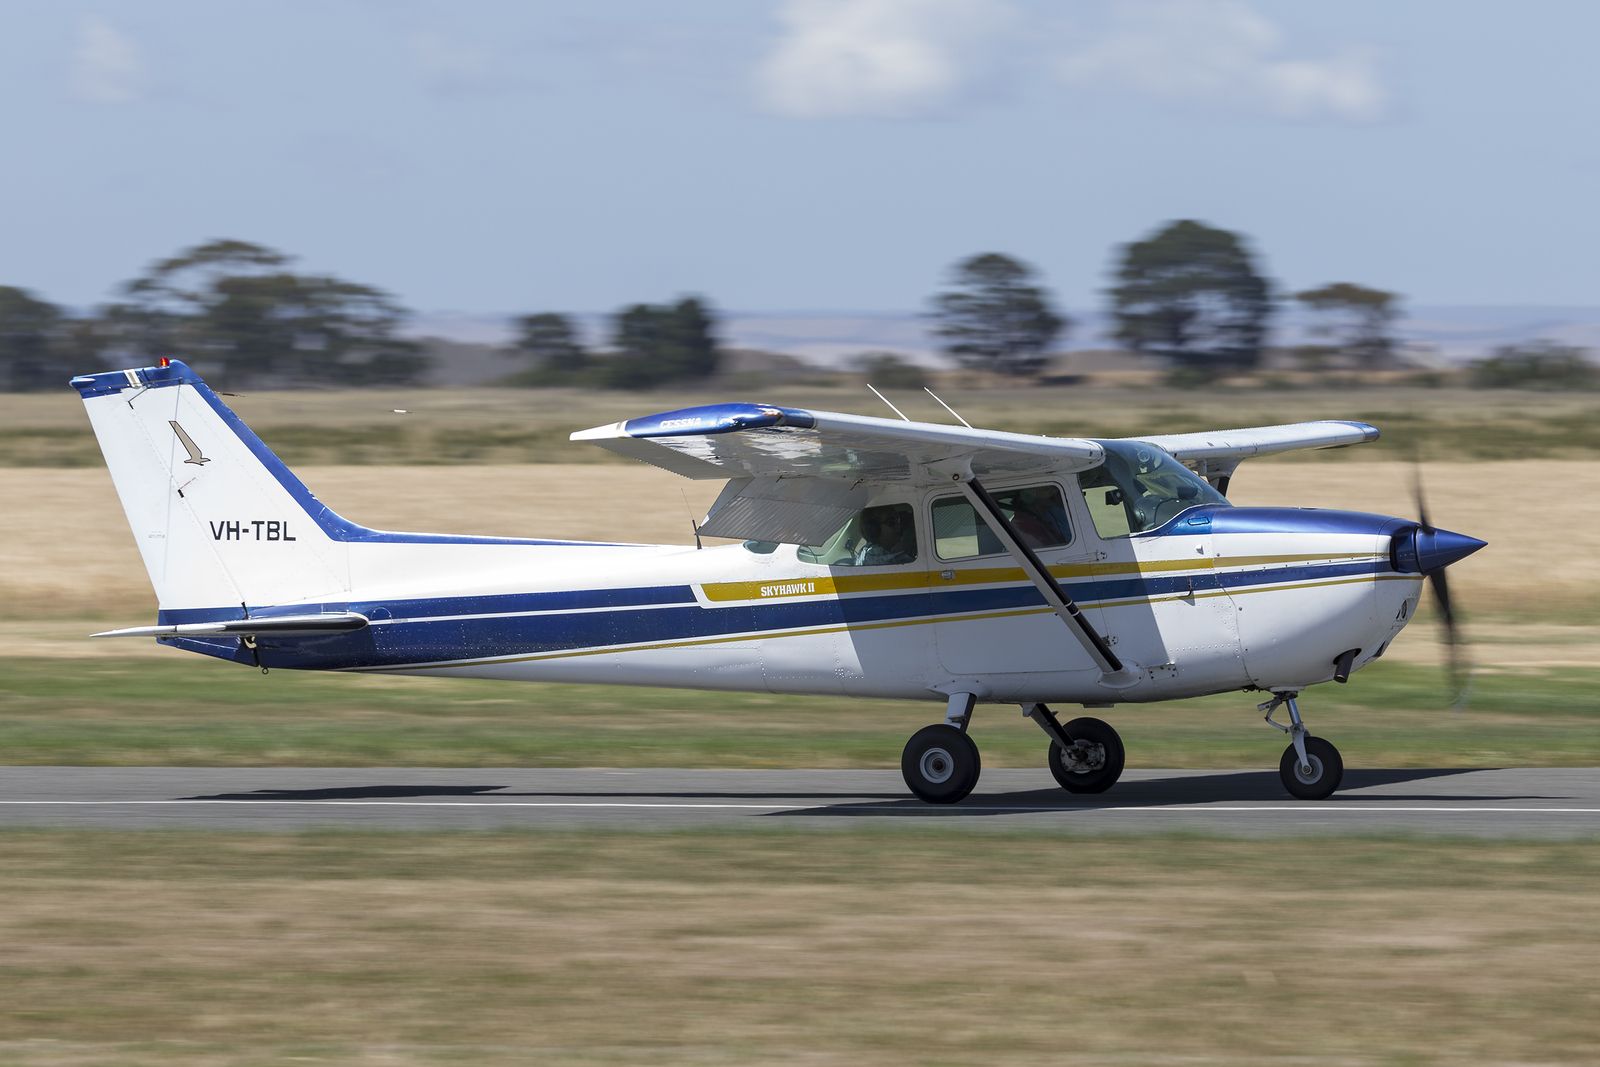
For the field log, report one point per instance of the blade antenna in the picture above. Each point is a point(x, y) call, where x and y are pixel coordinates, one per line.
point(947, 407)
point(885, 399)
point(693, 525)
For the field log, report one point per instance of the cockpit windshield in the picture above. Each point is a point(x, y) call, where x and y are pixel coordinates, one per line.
point(1139, 487)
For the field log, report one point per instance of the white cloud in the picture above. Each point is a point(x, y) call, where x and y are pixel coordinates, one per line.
point(107, 67)
point(880, 58)
point(1224, 52)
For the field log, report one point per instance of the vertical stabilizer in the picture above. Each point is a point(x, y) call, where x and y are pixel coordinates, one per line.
point(218, 518)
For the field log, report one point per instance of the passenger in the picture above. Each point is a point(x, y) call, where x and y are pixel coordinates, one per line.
point(1034, 516)
point(887, 537)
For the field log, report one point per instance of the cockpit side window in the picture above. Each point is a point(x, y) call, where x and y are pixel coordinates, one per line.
point(1139, 487)
point(879, 536)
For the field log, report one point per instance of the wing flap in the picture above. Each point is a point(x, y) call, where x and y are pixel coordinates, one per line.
point(791, 511)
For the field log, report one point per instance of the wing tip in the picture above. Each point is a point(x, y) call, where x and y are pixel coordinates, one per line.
point(599, 433)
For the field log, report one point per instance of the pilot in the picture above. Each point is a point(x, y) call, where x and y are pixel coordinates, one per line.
point(887, 537)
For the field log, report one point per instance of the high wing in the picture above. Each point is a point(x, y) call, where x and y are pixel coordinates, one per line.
point(1260, 440)
point(752, 440)
point(797, 475)
point(1214, 454)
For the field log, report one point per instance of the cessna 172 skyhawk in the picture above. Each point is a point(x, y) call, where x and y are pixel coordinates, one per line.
point(880, 558)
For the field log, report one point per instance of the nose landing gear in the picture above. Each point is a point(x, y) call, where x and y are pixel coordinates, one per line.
point(1311, 768)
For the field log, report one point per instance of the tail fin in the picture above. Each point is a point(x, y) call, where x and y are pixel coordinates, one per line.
point(218, 518)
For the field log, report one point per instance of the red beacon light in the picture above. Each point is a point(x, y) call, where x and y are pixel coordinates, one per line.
point(166, 362)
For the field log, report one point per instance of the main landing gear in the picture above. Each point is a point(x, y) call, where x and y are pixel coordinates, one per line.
point(1311, 768)
point(941, 764)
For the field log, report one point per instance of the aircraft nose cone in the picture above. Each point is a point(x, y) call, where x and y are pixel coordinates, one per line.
point(1437, 549)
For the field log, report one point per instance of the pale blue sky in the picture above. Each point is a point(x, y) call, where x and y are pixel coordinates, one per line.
point(800, 154)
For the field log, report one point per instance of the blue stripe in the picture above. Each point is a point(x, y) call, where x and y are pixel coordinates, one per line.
point(420, 639)
point(1221, 519)
point(333, 524)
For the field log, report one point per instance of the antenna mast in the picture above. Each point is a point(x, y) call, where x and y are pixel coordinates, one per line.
point(947, 407)
point(892, 408)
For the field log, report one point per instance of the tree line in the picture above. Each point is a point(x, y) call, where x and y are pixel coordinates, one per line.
point(1189, 295)
point(236, 309)
point(242, 314)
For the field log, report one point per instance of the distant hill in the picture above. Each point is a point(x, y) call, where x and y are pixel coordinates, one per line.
point(474, 363)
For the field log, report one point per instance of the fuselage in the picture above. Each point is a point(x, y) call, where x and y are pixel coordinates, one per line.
point(1217, 599)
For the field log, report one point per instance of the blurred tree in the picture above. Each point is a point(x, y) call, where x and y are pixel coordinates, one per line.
point(31, 332)
point(160, 310)
point(995, 318)
point(890, 371)
point(1536, 365)
point(1357, 321)
point(658, 343)
point(1315, 358)
point(1191, 293)
point(234, 304)
point(549, 343)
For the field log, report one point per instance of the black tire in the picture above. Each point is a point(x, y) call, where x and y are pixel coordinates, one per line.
point(1327, 770)
point(1105, 759)
point(940, 764)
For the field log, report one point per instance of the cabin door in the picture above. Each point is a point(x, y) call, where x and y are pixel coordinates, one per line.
point(990, 618)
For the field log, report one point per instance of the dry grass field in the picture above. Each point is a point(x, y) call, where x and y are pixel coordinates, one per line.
point(776, 948)
point(513, 426)
point(65, 549)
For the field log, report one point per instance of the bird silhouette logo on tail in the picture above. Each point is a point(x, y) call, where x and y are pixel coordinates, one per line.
point(188, 443)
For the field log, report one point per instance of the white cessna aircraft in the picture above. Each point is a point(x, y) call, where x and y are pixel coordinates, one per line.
point(880, 558)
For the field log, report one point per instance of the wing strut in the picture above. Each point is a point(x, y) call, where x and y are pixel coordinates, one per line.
point(1115, 673)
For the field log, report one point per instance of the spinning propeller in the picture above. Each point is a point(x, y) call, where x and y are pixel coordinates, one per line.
point(1430, 550)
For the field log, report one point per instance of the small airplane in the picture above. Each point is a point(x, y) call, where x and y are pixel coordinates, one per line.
point(878, 558)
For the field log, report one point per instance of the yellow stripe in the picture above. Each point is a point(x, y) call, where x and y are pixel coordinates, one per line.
point(837, 584)
point(888, 625)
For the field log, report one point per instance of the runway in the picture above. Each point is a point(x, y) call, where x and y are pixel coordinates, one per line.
point(1523, 802)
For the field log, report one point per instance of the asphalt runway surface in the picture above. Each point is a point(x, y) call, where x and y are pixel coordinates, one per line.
point(1522, 802)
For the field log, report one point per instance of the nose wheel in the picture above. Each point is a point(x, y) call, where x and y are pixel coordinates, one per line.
point(1318, 776)
point(1311, 768)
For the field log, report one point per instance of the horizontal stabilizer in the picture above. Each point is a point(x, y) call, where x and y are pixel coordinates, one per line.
point(277, 626)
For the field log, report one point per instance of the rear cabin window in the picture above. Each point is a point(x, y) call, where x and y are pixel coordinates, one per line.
point(1036, 512)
